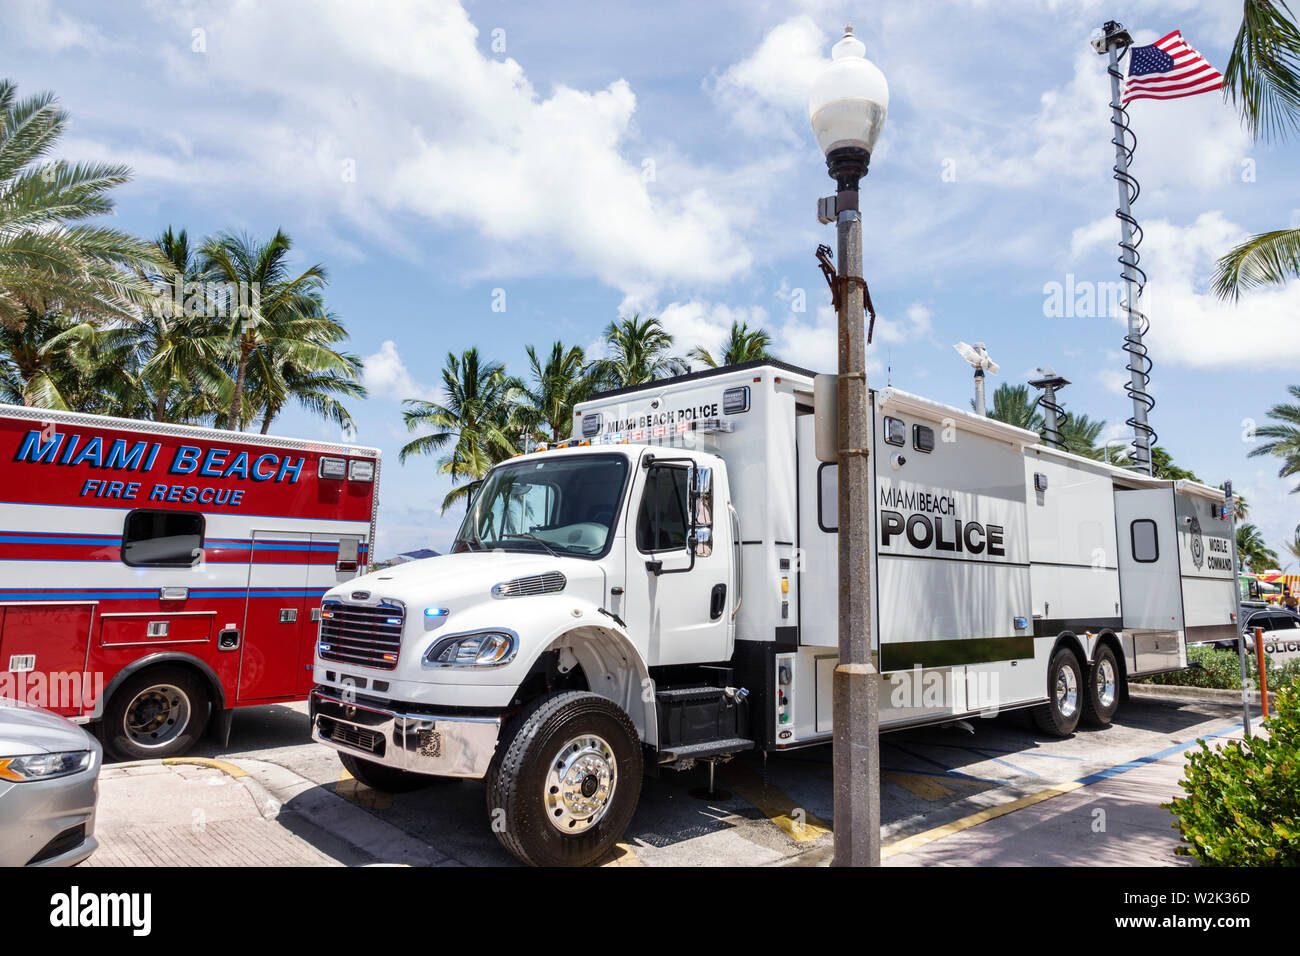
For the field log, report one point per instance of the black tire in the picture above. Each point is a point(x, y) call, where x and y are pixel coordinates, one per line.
point(1060, 715)
point(1101, 696)
point(159, 712)
point(388, 779)
point(520, 806)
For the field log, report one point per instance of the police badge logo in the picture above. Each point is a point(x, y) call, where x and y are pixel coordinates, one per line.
point(1198, 545)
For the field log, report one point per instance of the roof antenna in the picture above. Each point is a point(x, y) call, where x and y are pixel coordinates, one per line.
point(889, 373)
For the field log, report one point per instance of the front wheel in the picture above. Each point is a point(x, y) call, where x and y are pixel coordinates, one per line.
point(565, 781)
point(1102, 697)
point(159, 712)
point(1060, 715)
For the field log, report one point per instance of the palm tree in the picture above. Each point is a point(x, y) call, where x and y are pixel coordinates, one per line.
point(51, 260)
point(314, 389)
point(265, 307)
point(1293, 546)
point(638, 353)
point(1079, 434)
point(1263, 81)
point(1283, 437)
point(1252, 552)
point(476, 418)
point(51, 360)
point(1015, 405)
point(741, 345)
point(176, 346)
point(556, 386)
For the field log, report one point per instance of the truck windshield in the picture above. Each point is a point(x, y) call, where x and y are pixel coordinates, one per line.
point(560, 504)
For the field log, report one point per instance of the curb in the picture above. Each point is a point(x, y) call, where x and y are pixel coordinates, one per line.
point(276, 790)
point(1214, 694)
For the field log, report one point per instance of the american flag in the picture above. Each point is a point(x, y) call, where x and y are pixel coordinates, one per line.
point(1168, 69)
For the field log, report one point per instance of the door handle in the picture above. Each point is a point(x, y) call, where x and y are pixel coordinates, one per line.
point(717, 601)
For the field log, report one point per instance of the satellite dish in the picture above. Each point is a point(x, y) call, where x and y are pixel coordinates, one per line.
point(977, 356)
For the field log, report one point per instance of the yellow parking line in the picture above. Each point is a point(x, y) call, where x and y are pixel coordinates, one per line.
point(225, 766)
point(776, 806)
point(621, 855)
point(975, 819)
point(929, 788)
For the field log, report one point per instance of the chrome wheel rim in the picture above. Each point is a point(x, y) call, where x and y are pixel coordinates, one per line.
point(580, 784)
point(157, 716)
point(1067, 691)
point(1105, 682)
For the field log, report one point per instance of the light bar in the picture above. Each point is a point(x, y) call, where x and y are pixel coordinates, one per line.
point(735, 400)
point(336, 468)
point(711, 425)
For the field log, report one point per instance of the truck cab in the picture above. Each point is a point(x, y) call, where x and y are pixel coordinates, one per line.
point(512, 657)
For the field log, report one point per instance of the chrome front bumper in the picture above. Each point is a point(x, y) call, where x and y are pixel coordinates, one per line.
point(421, 743)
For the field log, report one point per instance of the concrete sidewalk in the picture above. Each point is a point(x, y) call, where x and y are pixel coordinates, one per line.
point(1113, 818)
point(203, 812)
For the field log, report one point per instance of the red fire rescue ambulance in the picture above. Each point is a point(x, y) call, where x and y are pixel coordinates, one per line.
point(154, 577)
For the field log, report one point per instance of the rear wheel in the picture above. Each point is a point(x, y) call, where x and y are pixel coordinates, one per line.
point(387, 779)
point(1102, 697)
point(1060, 715)
point(159, 712)
point(565, 781)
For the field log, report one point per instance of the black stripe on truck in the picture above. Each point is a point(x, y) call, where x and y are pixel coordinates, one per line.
point(966, 650)
point(1051, 626)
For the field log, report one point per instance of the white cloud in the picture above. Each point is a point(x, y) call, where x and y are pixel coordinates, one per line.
point(386, 376)
point(915, 326)
point(1068, 138)
point(1191, 326)
point(767, 92)
point(375, 114)
point(707, 325)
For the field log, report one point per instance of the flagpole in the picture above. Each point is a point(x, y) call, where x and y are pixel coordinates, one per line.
point(1113, 41)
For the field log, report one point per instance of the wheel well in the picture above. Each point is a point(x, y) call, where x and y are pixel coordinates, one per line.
point(1110, 640)
point(607, 664)
point(1068, 639)
point(216, 695)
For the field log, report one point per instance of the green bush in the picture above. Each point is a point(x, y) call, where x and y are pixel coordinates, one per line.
point(1242, 803)
point(1221, 669)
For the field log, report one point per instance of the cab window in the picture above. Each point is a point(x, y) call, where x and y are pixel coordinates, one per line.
point(661, 524)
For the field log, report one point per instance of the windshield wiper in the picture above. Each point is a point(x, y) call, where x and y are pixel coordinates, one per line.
point(531, 537)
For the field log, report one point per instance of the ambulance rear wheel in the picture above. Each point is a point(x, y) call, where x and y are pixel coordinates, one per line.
point(566, 780)
point(1065, 689)
point(1102, 697)
point(159, 712)
point(388, 779)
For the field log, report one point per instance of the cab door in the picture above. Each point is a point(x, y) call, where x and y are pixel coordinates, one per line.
point(277, 611)
point(682, 605)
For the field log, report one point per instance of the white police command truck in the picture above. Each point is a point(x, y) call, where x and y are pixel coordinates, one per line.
point(661, 591)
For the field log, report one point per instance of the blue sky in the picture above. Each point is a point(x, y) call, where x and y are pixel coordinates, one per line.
point(591, 160)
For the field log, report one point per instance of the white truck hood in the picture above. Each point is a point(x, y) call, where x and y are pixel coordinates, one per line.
point(454, 581)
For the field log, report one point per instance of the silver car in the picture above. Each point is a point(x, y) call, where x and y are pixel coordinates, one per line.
point(49, 782)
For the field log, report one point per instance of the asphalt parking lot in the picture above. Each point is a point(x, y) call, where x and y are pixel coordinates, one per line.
point(769, 811)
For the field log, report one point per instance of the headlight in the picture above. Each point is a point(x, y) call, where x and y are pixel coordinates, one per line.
point(43, 766)
point(482, 649)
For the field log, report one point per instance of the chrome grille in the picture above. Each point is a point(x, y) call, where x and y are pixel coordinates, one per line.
point(369, 635)
point(357, 737)
point(548, 583)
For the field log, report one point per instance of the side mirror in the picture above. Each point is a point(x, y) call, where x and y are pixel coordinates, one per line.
point(701, 494)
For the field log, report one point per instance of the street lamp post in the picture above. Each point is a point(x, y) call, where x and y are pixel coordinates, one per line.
point(847, 104)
